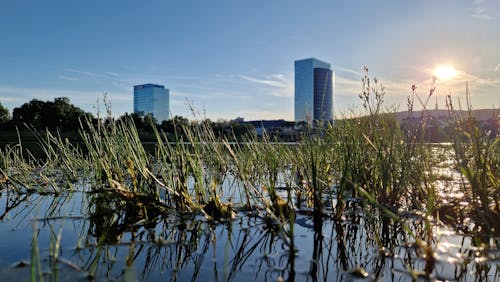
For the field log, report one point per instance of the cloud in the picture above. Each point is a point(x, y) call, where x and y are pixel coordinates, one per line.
point(16, 96)
point(210, 95)
point(347, 86)
point(83, 75)
point(345, 71)
point(113, 74)
point(81, 72)
point(252, 114)
point(68, 78)
point(479, 11)
point(483, 89)
point(352, 86)
point(276, 84)
point(104, 79)
point(491, 83)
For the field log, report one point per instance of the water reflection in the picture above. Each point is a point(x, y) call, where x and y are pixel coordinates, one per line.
point(96, 236)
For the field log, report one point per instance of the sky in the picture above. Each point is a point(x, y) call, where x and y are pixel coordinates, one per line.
point(235, 58)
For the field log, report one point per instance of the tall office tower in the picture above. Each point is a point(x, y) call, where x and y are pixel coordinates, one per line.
point(152, 99)
point(313, 91)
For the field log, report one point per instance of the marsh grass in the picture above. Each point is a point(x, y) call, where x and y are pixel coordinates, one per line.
point(373, 153)
point(21, 171)
point(477, 156)
point(190, 170)
point(36, 266)
point(14, 168)
point(366, 162)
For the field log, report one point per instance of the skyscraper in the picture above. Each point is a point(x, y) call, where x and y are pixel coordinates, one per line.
point(313, 91)
point(152, 99)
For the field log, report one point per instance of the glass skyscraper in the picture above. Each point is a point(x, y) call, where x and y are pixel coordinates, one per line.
point(313, 91)
point(152, 99)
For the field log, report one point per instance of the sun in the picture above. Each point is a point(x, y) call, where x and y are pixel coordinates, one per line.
point(445, 72)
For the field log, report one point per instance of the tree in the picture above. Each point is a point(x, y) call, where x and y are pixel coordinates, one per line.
point(149, 122)
point(4, 115)
point(28, 113)
point(59, 114)
point(174, 125)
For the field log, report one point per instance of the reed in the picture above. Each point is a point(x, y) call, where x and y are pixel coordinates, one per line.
point(373, 153)
point(189, 171)
point(197, 171)
point(315, 169)
point(36, 264)
point(21, 171)
point(476, 152)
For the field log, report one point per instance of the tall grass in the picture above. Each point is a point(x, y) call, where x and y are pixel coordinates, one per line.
point(477, 156)
point(190, 170)
point(195, 171)
point(374, 154)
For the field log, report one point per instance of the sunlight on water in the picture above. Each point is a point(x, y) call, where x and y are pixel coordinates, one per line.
point(245, 249)
point(100, 236)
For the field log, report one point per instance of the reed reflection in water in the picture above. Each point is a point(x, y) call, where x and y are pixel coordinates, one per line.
point(88, 235)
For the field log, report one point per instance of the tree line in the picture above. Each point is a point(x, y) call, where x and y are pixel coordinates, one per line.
point(64, 117)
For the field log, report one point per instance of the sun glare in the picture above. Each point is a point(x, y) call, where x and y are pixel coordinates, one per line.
point(445, 72)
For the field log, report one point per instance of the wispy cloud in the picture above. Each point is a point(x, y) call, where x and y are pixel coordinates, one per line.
point(68, 78)
point(347, 86)
point(275, 81)
point(480, 12)
point(493, 84)
point(481, 88)
point(113, 74)
point(81, 72)
point(344, 71)
point(204, 95)
point(77, 74)
point(276, 84)
point(497, 68)
point(15, 96)
point(252, 114)
point(352, 86)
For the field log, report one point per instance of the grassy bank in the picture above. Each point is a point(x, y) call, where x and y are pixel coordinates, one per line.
point(370, 159)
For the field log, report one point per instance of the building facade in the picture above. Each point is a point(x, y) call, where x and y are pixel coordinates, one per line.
point(313, 91)
point(152, 99)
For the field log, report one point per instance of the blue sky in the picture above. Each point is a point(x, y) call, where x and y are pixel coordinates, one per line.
point(231, 58)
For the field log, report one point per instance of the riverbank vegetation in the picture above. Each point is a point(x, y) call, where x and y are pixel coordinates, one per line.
point(64, 118)
point(370, 163)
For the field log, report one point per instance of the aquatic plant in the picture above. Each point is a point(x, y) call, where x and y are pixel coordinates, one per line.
point(364, 164)
point(373, 153)
point(477, 156)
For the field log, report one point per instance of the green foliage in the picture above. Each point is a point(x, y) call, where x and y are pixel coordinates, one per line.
point(198, 166)
point(58, 114)
point(4, 115)
point(374, 154)
point(477, 155)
